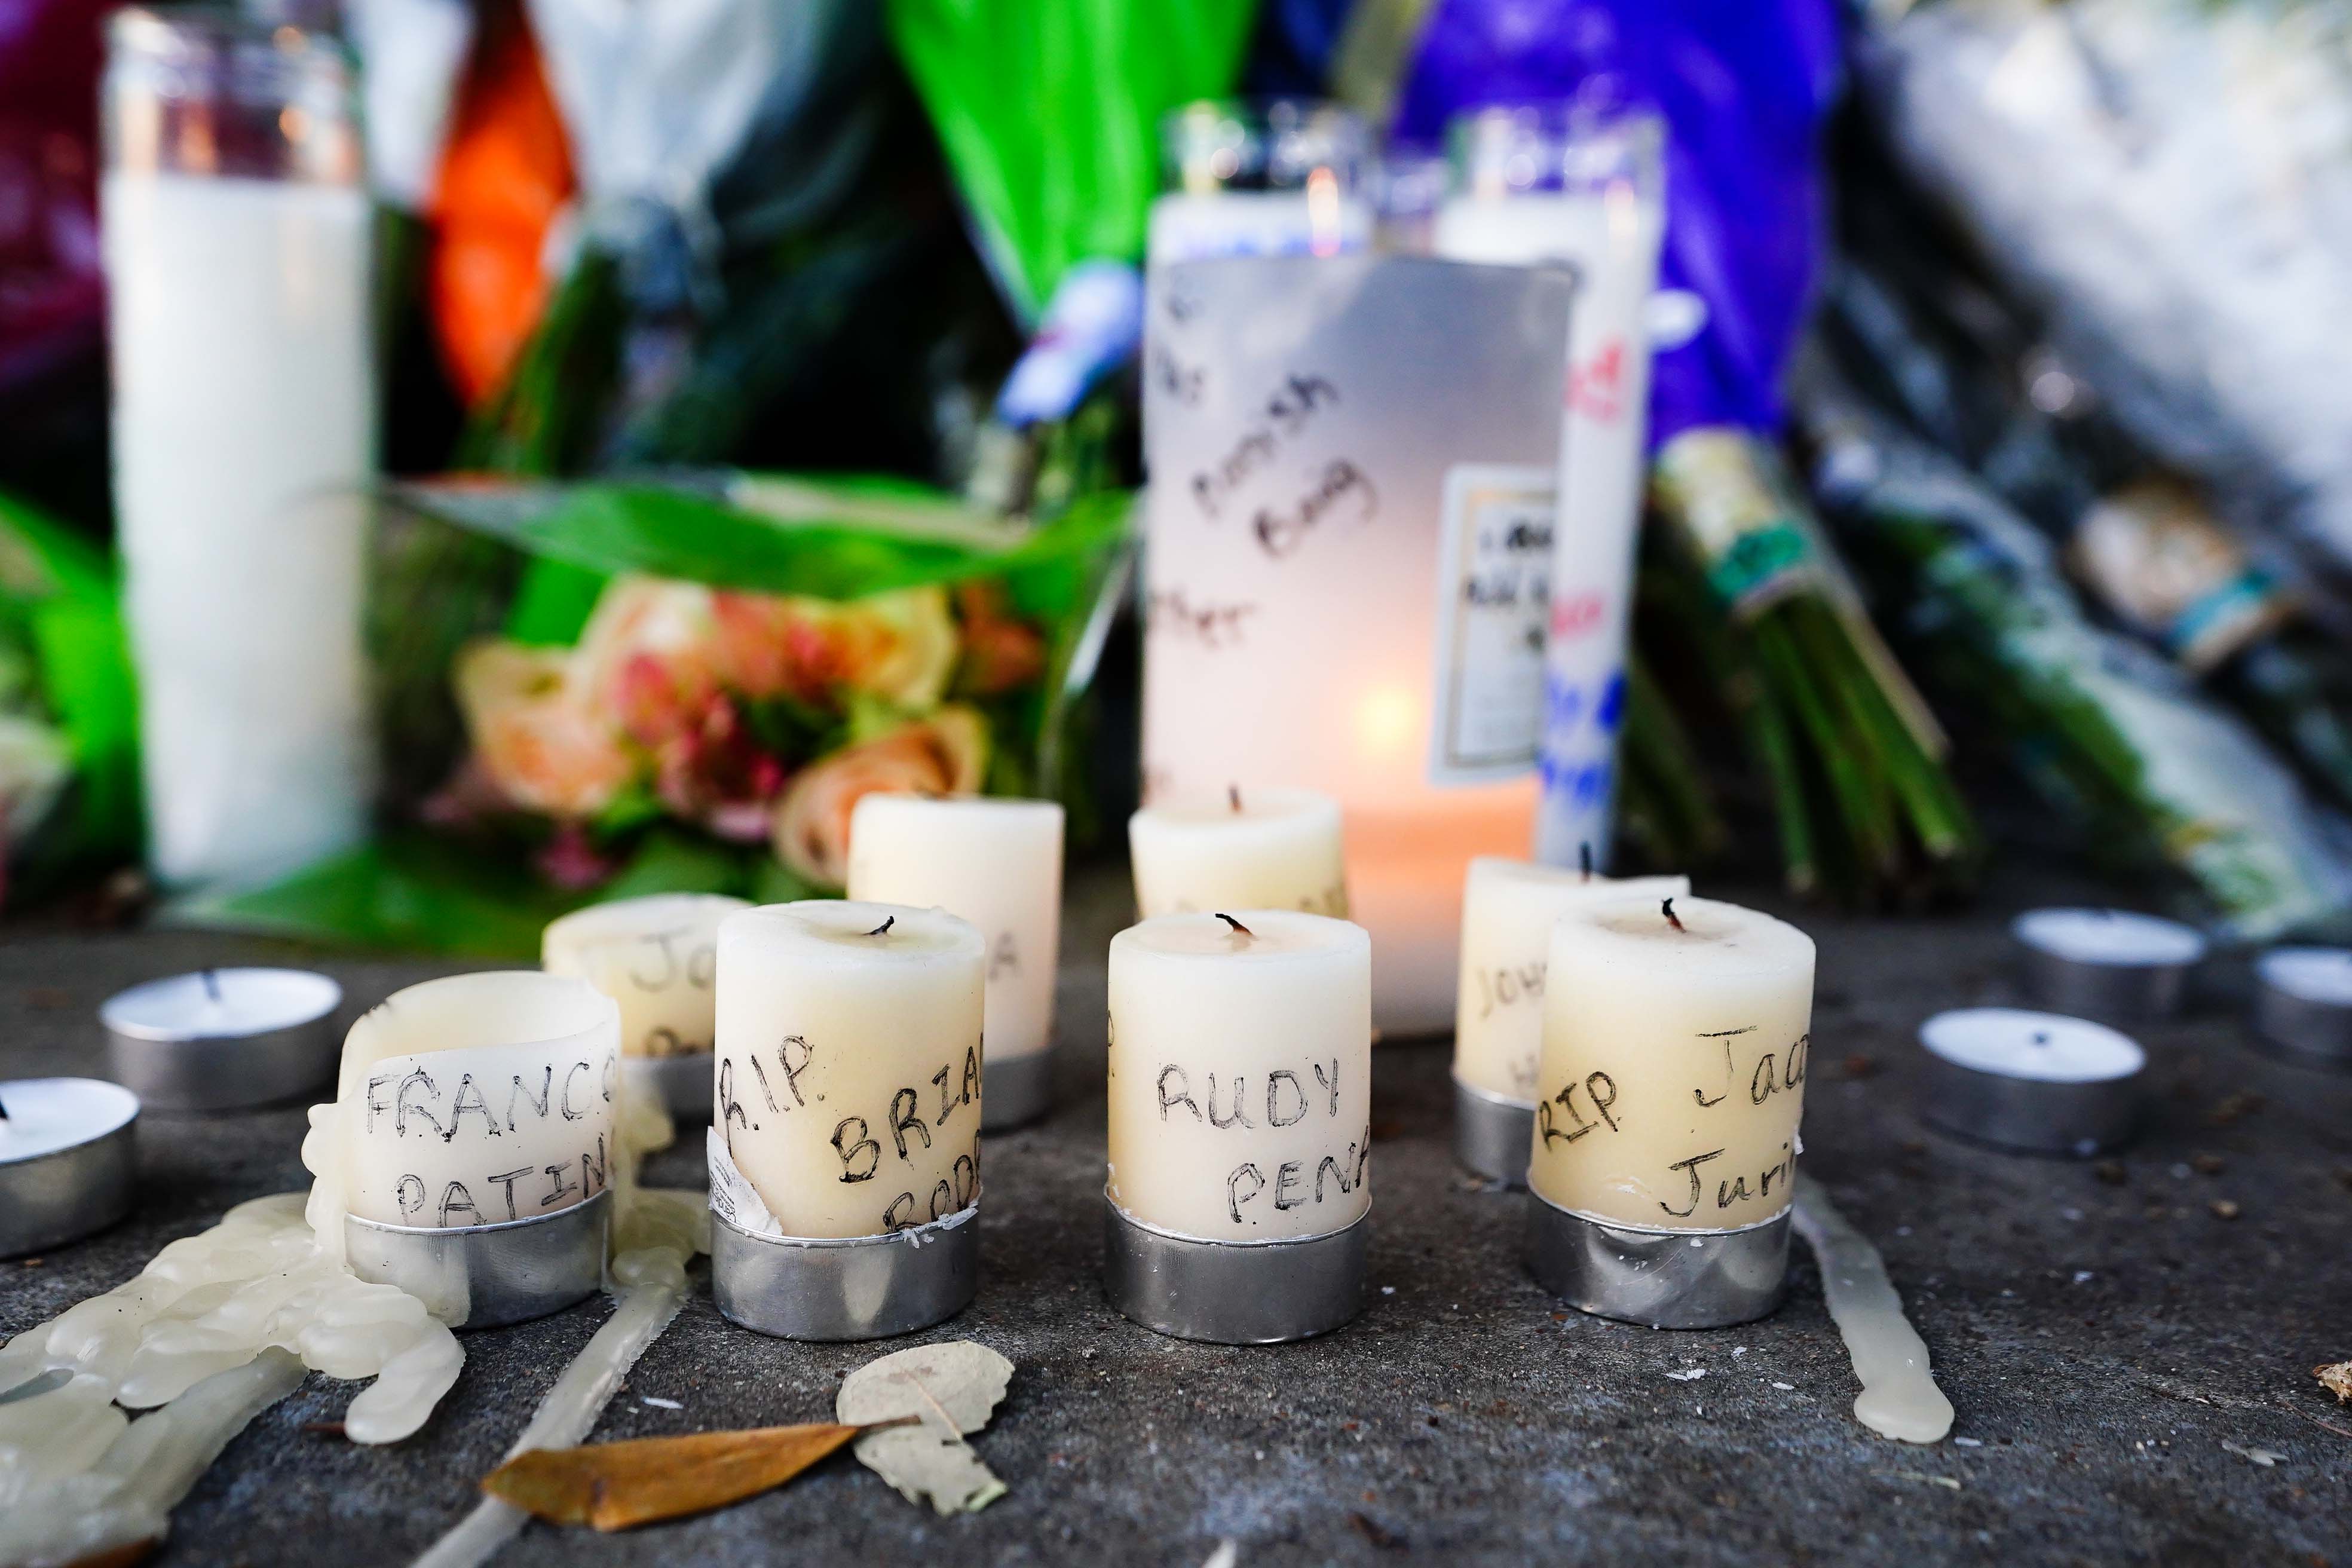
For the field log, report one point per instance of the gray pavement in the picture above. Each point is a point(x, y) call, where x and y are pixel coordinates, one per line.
point(2110, 1341)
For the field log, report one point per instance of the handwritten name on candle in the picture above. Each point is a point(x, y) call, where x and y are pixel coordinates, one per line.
point(505, 1142)
point(1284, 416)
point(1287, 1103)
point(869, 1146)
point(1212, 625)
point(1279, 533)
point(1592, 1103)
point(659, 960)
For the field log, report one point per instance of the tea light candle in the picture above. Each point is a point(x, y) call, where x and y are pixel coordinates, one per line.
point(2031, 1080)
point(2106, 963)
point(2303, 1000)
point(468, 1111)
point(1254, 849)
point(846, 1133)
point(223, 1039)
point(1240, 1084)
point(1675, 1045)
point(656, 957)
point(998, 864)
point(68, 1164)
point(1508, 908)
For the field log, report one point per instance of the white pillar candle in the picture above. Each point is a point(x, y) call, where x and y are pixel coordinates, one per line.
point(996, 863)
point(849, 1068)
point(1240, 1075)
point(1252, 848)
point(1508, 908)
point(473, 1099)
point(1675, 1053)
point(656, 957)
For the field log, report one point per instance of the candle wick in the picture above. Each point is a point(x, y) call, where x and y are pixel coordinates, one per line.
point(2041, 1037)
point(1233, 794)
point(1667, 909)
point(883, 929)
point(211, 985)
point(4, 1110)
point(1584, 858)
point(1237, 924)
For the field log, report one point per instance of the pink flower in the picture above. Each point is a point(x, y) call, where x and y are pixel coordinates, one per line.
point(946, 754)
point(647, 656)
point(534, 733)
point(899, 646)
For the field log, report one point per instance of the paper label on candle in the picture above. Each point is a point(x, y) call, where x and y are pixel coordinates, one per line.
point(481, 1136)
point(732, 1197)
point(1492, 574)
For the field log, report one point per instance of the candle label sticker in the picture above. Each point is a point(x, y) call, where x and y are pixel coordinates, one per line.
point(483, 1136)
point(1493, 582)
point(1309, 1094)
point(879, 1143)
point(1738, 1172)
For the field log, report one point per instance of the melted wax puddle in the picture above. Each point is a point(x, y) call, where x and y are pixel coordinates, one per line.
point(1900, 1397)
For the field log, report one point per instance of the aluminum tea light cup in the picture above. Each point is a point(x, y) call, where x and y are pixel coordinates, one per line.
point(487, 1276)
point(68, 1160)
point(2111, 965)
point(2038, 1082)
point(2303, 1002)
point(223, 1039)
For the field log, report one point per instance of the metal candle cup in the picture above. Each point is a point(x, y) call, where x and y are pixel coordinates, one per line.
point(68, 1161)
point(486, 1276)
point(2109, 964)
point(2303, 1002)
point(2033, 1081)
point(831, 1288)
point(223, 1039)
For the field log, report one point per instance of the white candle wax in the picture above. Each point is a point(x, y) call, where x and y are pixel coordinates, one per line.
point(849, 1063)
point(2309, 973)
point(656, 957)
point(2043, 1047)
point(2116, 937)
point(1253, 849)
point(998, 864)
point(1674, 1066)
point(42, 1115)
point(1240, 1075)
point(221, 1004)
point(473, 1099)
point(1508, 908)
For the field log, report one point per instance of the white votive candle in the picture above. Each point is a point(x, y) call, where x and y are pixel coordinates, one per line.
point(1674, 1054)
point(1508, 908)
point(848, 1091)
point(2116, 937)
point(473, 1099)
point(1252, 848)
point(2031, 1080)
point(1240, 1075)
point(2039, 1047)
point(2303, 999)
point(996, 863)
point(655, 957)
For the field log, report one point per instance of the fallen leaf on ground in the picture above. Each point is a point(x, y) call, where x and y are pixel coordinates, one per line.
point(949, 1389)
point(614, 1485)
point(2263, 1457)
point(2337, 1378)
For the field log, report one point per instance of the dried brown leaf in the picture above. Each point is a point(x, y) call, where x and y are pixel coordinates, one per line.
point(2337, 1378)
point(614, 1485)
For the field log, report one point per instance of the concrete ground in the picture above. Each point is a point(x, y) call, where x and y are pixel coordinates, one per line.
point(2131, 1369)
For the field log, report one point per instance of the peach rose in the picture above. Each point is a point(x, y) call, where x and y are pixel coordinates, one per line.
point(648, 657)
point(535, 735)
point(946, 754)
point(899, 646)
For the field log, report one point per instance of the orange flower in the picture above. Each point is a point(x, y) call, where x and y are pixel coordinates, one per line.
point(1000, 651)
point(946, 754)
point(538, 739)
point(899, 646)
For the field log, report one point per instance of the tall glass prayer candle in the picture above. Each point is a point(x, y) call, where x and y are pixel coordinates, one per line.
point(1545, 182)
point(998, 864)
point(237, 234)
point(1677, 1039)
point(1352, 463)
point(1508, 910)
point(849, 1065)
point(1247, 849)
point(1240, 1083)
point(1283, 178)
